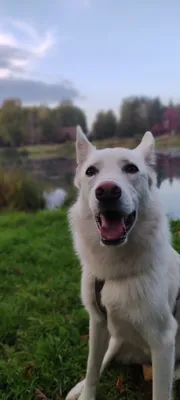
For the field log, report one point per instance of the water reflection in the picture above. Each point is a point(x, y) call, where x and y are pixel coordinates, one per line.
point(59, 172)
point(168, 179)
point(170, 196)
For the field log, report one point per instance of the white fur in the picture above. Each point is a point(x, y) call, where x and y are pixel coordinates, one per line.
point(142, 277)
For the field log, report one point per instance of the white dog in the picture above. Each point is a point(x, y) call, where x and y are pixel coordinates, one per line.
point(130, 272)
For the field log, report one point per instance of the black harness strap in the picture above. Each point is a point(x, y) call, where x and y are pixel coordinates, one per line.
point(98, 289)
point(177, 298)
point(175, 307)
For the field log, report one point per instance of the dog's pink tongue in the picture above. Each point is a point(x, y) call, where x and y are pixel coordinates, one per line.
point(112, 230)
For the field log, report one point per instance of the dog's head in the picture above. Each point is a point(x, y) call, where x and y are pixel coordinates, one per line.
point(115, 185)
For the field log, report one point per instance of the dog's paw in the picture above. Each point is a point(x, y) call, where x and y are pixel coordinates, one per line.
point(86, 396)
point(88, 393)
point(76, 391)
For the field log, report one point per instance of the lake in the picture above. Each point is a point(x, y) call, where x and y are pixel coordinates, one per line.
point(168, 179)
point(58, 173)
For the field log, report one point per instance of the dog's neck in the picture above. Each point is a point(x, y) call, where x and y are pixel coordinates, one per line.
point(151, 232)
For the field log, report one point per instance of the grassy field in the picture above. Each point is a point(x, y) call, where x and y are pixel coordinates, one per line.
point(43, 327)
point(68, 149)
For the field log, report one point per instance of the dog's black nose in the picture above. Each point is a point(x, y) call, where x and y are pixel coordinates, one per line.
point(108, 190)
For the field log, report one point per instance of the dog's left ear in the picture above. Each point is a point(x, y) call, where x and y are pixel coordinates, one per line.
point(83, 146)
point(147, 147)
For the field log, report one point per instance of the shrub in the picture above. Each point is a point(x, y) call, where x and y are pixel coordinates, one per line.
point(10, 154)
point(23, 152)
point(71, 196)
point(19, 191)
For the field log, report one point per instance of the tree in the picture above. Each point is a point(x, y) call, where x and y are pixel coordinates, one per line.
point(20, 125)
point(12, 123)
point(134, 113)
point(47, 125)
point(37, 124)
point(69, 115)
point(33, 129)
point(105, 125)
point(156, 111)
point(178, 118)
point(171, 117)
point(138, 114)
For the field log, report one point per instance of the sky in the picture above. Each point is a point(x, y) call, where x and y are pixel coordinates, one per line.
point(94, 52)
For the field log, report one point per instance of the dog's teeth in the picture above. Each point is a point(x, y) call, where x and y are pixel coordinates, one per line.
point(98, 220)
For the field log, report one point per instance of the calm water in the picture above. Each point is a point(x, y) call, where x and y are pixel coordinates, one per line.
point(168, 175)
point(59, 172)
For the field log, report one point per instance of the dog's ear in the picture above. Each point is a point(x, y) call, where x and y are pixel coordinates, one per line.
point(147, 147)
point(83, 146)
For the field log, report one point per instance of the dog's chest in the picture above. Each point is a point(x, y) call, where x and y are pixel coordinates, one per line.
point(124, 312)
point(106, 264)
point(126, 330)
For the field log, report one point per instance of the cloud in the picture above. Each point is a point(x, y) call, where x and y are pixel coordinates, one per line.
point(26, 28)
point(13, 59)
point(21, 49)
point(7, 39)
point(43, 47)
point(32, 91)
point(17, 58)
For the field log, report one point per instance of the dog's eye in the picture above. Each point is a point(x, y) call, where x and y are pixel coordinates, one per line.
point(130, 168)
point(91, 171)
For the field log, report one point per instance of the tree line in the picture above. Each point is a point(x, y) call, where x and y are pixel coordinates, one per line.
point(137, 115)
point(29, 125)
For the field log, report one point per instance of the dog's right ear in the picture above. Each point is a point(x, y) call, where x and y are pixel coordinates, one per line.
point(83, 146)
point(147, 148)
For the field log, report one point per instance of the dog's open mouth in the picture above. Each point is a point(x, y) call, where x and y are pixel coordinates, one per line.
point(113, 227)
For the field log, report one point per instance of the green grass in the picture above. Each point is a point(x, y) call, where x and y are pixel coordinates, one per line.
point(168, 143)
point(43, 326)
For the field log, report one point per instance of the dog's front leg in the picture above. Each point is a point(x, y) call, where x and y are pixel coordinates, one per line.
point(163, 358)
point(97, 346)
point(163, 370)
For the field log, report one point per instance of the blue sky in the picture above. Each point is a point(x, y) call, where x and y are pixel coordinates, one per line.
point(95, 52)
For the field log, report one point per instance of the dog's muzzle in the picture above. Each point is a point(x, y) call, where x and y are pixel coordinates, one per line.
point(112, 223)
